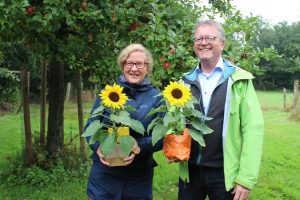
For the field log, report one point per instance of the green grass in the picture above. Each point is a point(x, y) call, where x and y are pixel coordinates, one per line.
point(279, 174)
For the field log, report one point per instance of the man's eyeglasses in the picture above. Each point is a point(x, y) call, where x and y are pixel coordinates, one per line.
point(207, 39)
point(139, 65)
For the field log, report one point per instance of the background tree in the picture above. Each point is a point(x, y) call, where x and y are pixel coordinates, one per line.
point(74, 35)
point(285, 39)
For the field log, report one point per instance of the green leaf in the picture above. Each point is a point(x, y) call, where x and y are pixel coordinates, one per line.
point(172, 109)
point(122, 118)
point(170, 131)
point(197, 113)
point(156, 110)
point(126, 143)
point(201, 127)
point(137, 126)
point(184, 171)
point(130, 108)
point(197, 136)
point(98, 136)
point(92, 128)
point(108, 144)
point(152, 123)
point(190, 104)
point(98, 110)
point(168, 118)
point(158, 132)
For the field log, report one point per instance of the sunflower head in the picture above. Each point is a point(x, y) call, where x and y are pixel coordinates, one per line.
point(177, 94)
point(113, 97)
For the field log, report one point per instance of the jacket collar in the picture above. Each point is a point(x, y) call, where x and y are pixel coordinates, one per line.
point(143, 86)
point(228, 70)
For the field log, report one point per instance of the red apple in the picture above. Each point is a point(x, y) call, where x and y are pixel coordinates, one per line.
point(172, 51)
point(30, 10)
point(167, 65)
point(133, 26)
point(84, 4)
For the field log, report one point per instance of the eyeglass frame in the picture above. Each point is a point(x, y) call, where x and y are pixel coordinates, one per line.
point(127, 64)
point(208, 39)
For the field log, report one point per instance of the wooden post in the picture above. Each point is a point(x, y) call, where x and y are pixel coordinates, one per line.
point(68, 92)
point(43, 102)
point(295, 112)
point(296, 94)
point(284, 98)
point(27, 124)
point(80, 112)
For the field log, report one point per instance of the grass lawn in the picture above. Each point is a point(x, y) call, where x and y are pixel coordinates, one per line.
point(279, 175)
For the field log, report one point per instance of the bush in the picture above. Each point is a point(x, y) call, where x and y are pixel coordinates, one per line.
point(68, 165)
point(9, 84)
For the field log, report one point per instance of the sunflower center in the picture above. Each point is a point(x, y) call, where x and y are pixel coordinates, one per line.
point(177, 93)
point(113, 96)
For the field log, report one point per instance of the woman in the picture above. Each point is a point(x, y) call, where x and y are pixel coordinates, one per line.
point(133, 181)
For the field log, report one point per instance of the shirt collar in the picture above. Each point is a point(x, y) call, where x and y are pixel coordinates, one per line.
point(219, 67)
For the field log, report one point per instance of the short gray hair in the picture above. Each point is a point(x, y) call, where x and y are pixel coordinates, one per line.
point(216, 24)
point(135, 48)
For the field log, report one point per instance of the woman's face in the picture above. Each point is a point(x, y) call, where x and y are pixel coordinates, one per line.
point(135, 67)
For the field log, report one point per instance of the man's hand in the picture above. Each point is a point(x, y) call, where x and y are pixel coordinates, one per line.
point(240, 192)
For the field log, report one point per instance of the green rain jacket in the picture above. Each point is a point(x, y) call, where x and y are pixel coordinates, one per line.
point(242, 127)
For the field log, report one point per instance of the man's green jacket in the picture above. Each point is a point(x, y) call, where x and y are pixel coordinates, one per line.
point(242, 127)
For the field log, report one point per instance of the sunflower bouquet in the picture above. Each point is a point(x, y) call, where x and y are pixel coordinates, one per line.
point(111, 128)
point(179, 114)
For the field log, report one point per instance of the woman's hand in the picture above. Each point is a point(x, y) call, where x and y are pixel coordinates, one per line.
point(101, 157)
point(135, 150)
point(128, 160)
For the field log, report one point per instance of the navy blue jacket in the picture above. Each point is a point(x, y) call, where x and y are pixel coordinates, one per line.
point(143, 98)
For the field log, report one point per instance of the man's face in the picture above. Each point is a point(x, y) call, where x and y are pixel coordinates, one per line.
point(207, 44)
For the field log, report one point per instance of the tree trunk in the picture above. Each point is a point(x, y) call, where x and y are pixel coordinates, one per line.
point(55, 136)
point(27, 124)
point(43, 102)
point(295, 113)
point(80, 112)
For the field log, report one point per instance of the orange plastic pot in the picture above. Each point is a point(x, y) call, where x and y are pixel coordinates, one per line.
point(178, 147)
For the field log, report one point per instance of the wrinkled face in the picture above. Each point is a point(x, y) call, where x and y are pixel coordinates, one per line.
point(207, 44)
point(135, 67)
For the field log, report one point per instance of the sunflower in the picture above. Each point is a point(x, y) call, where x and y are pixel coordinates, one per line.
point(177, 94)
point(113, 97)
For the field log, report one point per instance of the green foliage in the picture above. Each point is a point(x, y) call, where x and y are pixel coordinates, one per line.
point(116, 130)
point(9, 86)
point(90, 37)
point(280, 72)
point(178, 117)
point(46, 171)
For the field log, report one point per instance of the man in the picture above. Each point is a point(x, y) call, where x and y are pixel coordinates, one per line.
point(228, 166)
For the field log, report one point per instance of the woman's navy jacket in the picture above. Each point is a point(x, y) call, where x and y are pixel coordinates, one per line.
point(143, 98)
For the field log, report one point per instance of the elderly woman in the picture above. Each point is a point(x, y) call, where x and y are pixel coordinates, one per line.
point(133, 181)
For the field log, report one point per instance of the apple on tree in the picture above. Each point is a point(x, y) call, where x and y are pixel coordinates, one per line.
point(167, 65)
point(30, 10)
point(133, 26)
point(172, 51)
point(84, 4)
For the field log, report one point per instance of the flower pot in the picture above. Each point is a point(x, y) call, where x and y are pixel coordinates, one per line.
point(178, 147)
point(116, 157)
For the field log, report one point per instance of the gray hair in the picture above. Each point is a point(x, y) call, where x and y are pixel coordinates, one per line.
point(135, 48)
point(210, 22)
